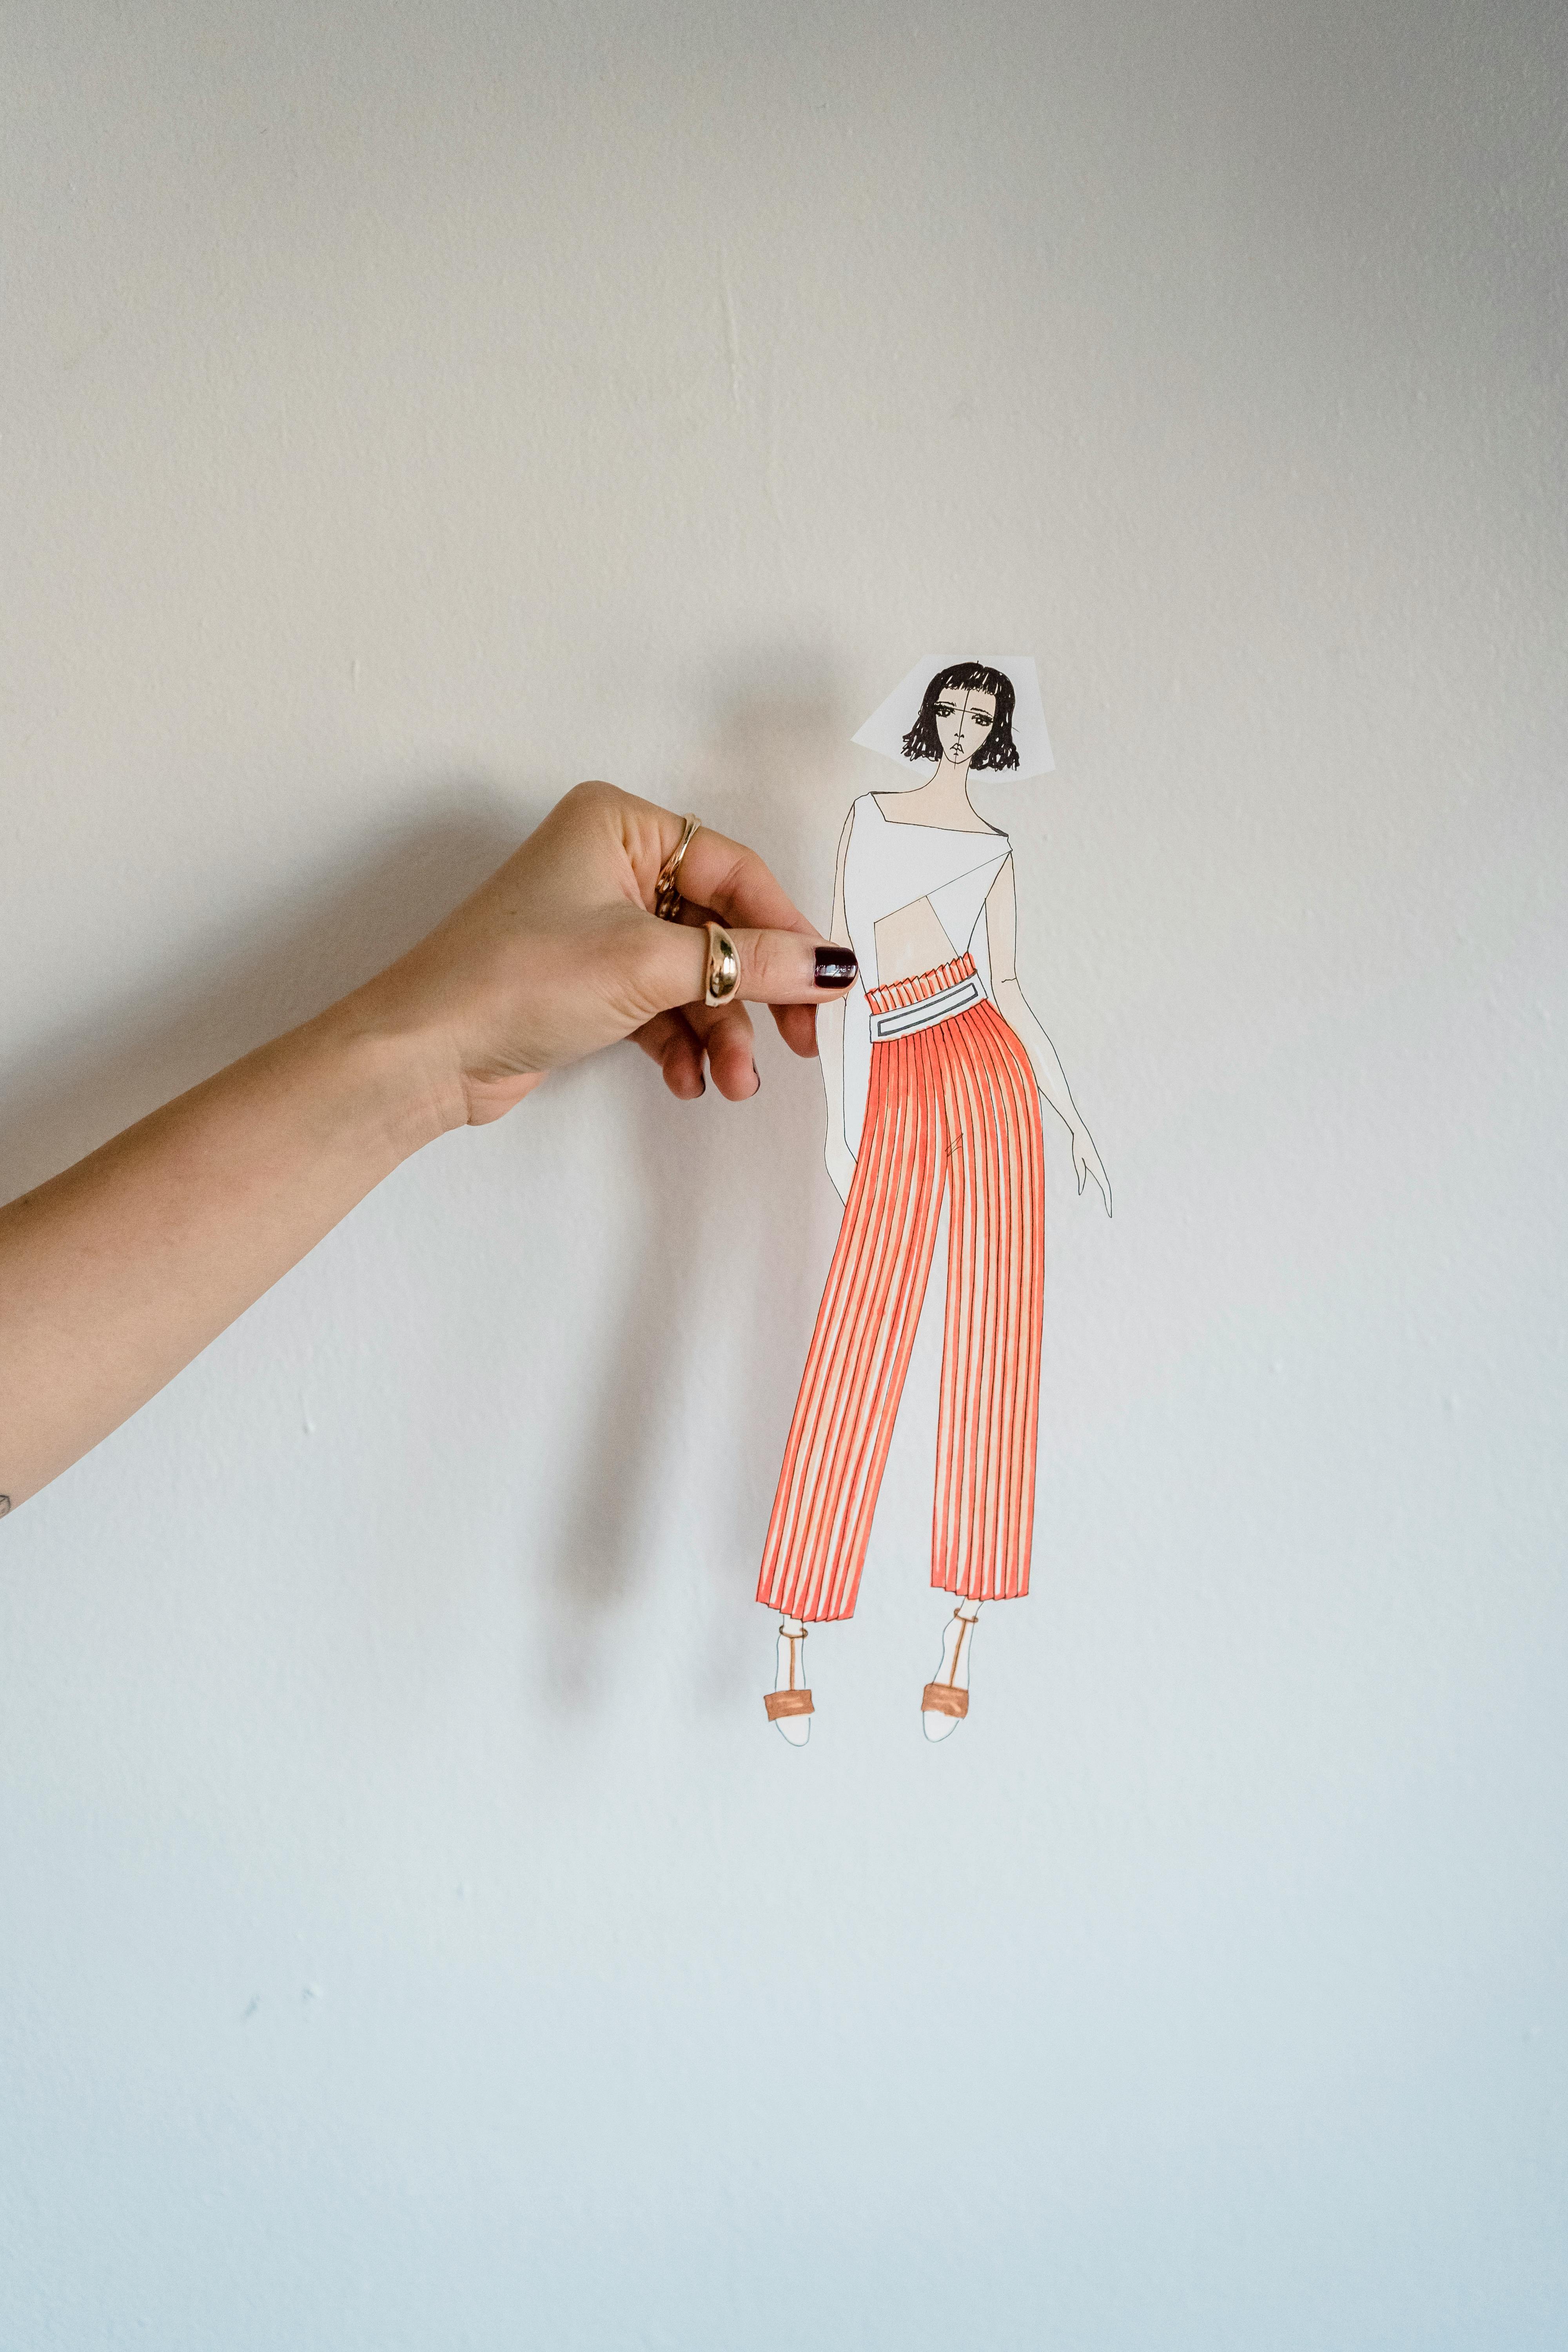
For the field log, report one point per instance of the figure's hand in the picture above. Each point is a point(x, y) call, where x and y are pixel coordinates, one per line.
point(560, 953)
point(841, 1165)
point(1086, 1161)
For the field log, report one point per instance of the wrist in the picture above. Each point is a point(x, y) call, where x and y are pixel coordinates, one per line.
point(402, 1084)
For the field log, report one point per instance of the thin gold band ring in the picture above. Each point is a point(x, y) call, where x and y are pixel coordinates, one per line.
point(667, 890)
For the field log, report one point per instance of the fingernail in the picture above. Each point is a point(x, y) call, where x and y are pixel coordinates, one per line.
point(756, 1079)
point(835, 967)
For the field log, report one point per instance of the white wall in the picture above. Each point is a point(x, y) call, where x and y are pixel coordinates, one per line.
point(415, 1936)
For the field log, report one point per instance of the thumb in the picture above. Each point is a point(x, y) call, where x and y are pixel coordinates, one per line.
point(775, 967)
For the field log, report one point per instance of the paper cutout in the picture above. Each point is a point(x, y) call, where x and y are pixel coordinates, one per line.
point(885, 867)
point(885, 730)
point(934, 1094)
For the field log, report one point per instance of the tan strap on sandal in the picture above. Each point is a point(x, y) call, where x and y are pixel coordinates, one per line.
point(789, 1701)
point(950, 1698)
point(797, 1700)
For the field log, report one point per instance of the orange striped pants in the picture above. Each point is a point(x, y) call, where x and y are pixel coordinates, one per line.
point(951, 1107)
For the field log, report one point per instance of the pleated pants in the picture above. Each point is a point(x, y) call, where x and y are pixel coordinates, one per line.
point(952, 1108)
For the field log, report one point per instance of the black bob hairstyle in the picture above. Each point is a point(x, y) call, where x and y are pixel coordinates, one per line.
point(999, 751)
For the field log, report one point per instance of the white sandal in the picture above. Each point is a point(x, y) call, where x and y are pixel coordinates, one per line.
point(947, 1698)
point(797, 1699)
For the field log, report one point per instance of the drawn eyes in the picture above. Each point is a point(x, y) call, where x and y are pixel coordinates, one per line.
point(945, 711)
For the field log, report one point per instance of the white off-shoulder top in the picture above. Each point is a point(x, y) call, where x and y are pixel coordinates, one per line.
point(888, 865)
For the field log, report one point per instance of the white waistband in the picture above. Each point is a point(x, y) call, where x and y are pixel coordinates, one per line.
point(904, 1019)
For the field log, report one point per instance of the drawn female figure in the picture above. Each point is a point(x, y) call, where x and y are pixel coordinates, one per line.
point(933, 1070)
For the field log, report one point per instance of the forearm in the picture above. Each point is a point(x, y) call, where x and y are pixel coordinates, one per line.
point(1050, 1076)
point(116, 1272)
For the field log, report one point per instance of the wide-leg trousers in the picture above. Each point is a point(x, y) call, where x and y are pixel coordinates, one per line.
point(952, 1107)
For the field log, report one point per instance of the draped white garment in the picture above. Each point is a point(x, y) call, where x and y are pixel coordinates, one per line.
point(888, 865)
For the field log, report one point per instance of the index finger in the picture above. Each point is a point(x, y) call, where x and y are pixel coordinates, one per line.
point(725, 879)
point(733, 880)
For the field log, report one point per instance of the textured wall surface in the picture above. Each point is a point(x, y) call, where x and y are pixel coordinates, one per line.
point(414, 1935)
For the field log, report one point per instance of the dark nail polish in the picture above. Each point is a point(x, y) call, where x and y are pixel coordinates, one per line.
point(835, 967)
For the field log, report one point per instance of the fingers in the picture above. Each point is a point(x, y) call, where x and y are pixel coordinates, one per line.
point(775, 967)
point(668, 1040)
point(797, 1024)
point(1085, 1162)
point(662, 967)
point(723, 875)
point(679, 1042)
point(719, 879)
point(779, 967)
point(732, 881)
point(731, 1048)
point(783, 967)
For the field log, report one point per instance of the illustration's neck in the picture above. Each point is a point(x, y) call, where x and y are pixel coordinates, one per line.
point(949, 787)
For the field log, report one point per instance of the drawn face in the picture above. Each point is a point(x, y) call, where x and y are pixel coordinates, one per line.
point(964, 717)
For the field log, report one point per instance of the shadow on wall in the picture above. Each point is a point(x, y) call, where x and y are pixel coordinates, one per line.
point(231, 993)
point(714, 1284)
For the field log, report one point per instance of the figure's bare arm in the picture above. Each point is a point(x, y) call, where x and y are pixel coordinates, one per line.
point(830, 1020)
point(1002, 939)
point(115, 1273)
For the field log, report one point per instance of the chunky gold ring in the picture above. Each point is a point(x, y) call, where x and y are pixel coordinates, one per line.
point(723, 966)
point(667, 890)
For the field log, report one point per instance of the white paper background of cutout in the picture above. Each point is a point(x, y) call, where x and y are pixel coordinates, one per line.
point(885, 730)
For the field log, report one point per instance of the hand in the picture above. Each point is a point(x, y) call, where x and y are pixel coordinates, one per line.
point(1086, 1163)
point(559, 953)
point(841, 1165)
point(116, 1272)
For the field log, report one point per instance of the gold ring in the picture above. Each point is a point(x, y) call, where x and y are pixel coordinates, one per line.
point(723, 966)
point(667, 890)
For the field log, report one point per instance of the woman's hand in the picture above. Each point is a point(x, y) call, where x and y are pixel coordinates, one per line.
point(559, 953)
point(115, 1273)
point(1085, 1161)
